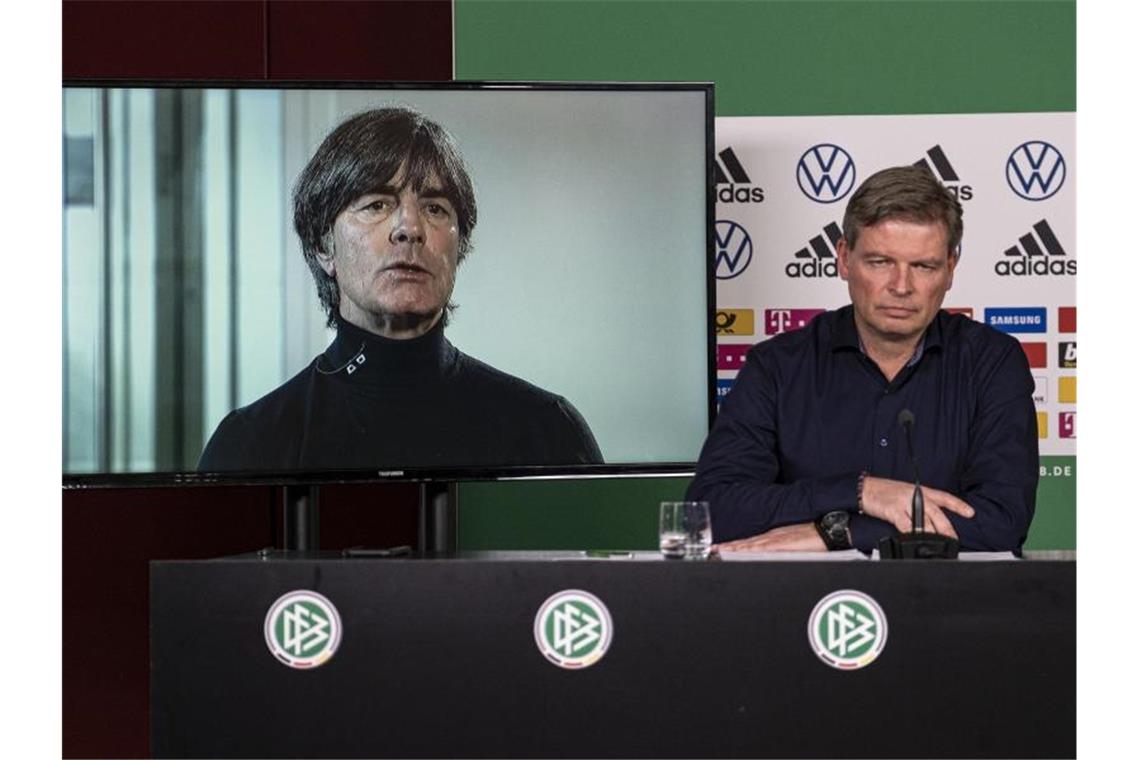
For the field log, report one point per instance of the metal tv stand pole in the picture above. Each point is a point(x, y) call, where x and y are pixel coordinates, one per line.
point(302, 518)
point(438, 510)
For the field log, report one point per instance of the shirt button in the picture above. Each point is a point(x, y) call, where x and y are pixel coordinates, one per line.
point(883, 442)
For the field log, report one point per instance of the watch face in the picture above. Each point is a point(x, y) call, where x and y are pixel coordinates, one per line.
point(833, 521)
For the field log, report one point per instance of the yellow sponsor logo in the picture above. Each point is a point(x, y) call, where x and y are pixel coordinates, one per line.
point(735, 322)
point(1042, 425)
point(1067, 390)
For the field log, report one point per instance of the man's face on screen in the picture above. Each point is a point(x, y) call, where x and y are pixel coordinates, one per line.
point(394, 258)
point(897, 275)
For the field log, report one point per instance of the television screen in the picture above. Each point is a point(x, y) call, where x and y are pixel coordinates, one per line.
point(370, 281)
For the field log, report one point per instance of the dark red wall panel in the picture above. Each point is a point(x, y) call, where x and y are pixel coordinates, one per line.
point(165, 39)
point(110, 536)
point(341, 39)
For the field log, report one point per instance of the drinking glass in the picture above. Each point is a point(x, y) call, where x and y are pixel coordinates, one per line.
point(685, 529)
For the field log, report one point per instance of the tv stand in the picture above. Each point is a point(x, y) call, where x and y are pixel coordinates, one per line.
point(437, 517)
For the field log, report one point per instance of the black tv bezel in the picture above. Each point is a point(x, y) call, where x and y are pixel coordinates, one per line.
point(77, 481)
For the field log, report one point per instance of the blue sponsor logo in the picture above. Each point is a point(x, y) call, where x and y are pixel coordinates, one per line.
point(733, 250)
point(826, 173)
point(1017, 320)
point(1035, 170)
point(723, 386)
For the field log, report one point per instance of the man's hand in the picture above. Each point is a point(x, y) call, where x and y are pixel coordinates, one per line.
point(788, 538)
point(890, 500)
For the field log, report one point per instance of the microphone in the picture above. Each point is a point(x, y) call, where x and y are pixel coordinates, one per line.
point(917, 505)
point(918, 544)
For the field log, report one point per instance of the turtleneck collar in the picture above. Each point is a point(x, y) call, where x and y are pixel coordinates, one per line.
point(364, 358)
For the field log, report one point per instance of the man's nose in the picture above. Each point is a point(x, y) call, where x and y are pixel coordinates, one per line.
point(409, 226)
point(901, 280)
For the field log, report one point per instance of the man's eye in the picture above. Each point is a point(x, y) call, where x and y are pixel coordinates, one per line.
point(438, 210)
point(379, 206)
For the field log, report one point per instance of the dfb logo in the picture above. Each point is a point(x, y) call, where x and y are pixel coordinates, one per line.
point(825, 173)
point(737, 185)
point(733, 250)
point(1035, 170)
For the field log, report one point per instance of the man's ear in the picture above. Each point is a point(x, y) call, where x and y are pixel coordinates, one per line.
point(326, 259)
point(843, 253)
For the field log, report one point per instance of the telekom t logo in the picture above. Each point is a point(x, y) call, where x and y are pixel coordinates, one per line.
point(778, 321)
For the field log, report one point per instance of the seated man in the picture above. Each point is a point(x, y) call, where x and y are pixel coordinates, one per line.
point(807, 453)
point(385, 211)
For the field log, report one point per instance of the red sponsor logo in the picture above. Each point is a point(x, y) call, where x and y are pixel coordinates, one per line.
point(965, 311)
point(1067, 319)
point(1035, 353)
point(731, 355)
point(778, 321)
point(1068, 425)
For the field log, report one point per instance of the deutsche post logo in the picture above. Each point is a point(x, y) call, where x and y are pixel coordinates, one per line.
point(847, 630)
point(302, 629)
point(573, 629)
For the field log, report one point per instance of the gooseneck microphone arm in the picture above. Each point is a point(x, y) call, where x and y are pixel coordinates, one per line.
point(917, 506)
point(918, 544)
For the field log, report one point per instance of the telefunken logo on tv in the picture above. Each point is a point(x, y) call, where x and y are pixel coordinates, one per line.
point(1035, 170)
point(817, 258)
point(733, 250)
point(826, 173)
point(937, 162)
point(1027, 258)
point(733, 185)
point(1017, 320)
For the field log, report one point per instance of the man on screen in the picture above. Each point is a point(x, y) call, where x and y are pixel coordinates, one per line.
point(385, 210)
point(807, 453)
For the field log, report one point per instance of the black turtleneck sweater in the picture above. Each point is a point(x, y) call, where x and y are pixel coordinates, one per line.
point(370, 402)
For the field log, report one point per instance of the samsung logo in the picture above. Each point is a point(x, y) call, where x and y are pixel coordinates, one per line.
point(1017, 320)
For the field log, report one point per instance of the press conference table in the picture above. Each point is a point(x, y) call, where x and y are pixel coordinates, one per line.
point(438, 658)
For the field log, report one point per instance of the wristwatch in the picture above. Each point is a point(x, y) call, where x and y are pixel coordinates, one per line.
point(835, 530)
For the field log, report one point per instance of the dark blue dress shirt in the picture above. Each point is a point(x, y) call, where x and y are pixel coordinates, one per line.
point(810, 411)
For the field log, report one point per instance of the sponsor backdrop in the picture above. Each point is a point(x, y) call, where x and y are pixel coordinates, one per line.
point(1005, 75)
point(784, 182)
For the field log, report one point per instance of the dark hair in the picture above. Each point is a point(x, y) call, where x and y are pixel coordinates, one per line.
point(909, 193)
point(363, 154)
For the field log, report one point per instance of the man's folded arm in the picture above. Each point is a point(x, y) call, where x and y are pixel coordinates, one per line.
point(739, 465)
point(1000, 477)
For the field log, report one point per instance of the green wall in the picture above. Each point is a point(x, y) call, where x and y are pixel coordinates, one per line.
point(767, 58)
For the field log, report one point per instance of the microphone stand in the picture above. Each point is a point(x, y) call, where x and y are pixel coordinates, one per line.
point(918, 544)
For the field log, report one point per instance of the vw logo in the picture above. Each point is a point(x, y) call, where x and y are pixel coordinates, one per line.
point(1035, 170)
point(826, 173)
point(733, 250)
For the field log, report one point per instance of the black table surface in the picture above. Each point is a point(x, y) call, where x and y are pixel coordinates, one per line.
point(708, 659)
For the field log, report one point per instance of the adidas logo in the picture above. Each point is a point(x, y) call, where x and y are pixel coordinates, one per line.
point(817, 259)
point(937, 162)
point(1028, 258)
point(737, 188)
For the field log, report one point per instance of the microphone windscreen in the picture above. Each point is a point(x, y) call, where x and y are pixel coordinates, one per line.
point(906, 418)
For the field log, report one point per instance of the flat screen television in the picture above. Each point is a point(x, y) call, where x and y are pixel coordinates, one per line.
point(255, 278)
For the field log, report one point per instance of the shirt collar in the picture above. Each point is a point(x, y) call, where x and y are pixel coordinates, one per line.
point(847, 336)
